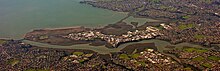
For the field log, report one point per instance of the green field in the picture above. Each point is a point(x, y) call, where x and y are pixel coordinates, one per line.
point(2, 41)
point(37, 70)
point(124, 56)
point(199, 36)
point(207, 65)
point(215, 58)
point(199, 58)
point(78, 53)
point(194, 50)
point(185, 26)
point(13, 62)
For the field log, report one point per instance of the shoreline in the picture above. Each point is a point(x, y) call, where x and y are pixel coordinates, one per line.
point(6, 38)
point(59, 28)
point(83, 27)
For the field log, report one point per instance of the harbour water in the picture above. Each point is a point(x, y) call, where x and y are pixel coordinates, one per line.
point(18, 17)
point(160, 44)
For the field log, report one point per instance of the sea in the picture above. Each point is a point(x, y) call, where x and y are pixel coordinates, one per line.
point(18, 17)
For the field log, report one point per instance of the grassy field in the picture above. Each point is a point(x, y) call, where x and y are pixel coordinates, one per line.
point(185, 26)
point(207, 65)
point(13, 62)
point(215, 58)
point(199, 58)
point(124, 56)
point(78, 53)
point(37, 70)
point(195, 50)
point(199, 36)
point(2, 41)
point(186, 17)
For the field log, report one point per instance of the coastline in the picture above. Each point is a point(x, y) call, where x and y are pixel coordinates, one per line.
point(73, 28)
point(177, 42)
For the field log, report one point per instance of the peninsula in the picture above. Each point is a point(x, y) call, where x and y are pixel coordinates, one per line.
point(185, 37)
